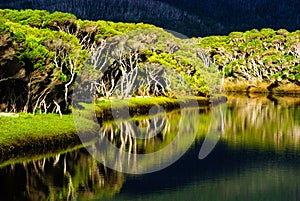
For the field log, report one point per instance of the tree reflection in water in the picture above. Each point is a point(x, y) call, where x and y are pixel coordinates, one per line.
point(258, 125)
point(262, 123)
point(145, 144)
point(71, 176)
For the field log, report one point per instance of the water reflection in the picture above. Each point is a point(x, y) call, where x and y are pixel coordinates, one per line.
point(71, 176)
point(256, 157)
point(216, 128)
point(145, 144)
point(262, 123)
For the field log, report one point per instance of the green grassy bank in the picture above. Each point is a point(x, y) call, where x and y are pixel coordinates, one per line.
point(141, 106)
point(39, 134)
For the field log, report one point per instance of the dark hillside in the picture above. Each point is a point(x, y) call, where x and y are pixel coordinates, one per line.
point(189, 17)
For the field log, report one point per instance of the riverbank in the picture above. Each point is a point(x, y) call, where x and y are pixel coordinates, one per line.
point(241, 86)
point(28, 135)
point(44, 133)
point(141, 106)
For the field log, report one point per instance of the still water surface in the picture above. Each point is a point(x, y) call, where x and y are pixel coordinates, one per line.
point(257, 157)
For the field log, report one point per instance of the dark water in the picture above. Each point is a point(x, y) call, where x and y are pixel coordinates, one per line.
point(256, 157)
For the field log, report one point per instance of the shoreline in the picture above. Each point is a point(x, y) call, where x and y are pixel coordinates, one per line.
point(141, 106)
point(28, 135)
point(260, 87)
point(30, 144)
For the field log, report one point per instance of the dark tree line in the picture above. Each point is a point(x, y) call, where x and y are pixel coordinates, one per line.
point(190, 17)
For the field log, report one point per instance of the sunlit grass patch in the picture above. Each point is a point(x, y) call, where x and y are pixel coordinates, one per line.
point(35, 126)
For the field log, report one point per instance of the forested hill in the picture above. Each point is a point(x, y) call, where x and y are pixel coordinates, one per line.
point(42, 53)
point(189, 17)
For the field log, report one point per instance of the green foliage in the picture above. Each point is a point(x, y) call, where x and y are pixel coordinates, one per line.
point(30, 45)
point(264, 54)
point(36, 18)
point(3, 27)
point(180, 64)
point(255, 54)
point(33, 33)
point(106, 29)
point(57, 17)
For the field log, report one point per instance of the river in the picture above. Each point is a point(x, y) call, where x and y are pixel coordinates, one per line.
point(245, 149)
